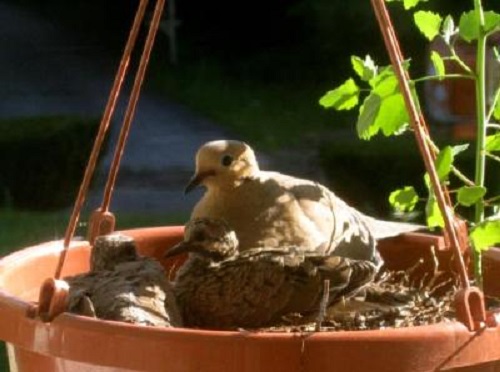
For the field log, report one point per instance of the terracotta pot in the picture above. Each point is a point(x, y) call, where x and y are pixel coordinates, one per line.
point(75, 343)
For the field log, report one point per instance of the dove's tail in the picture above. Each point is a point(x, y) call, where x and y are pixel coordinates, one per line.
point(386, 229)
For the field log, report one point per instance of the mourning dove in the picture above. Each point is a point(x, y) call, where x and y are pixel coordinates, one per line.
point(270, 209)
point(221, 287)
point(123, 286)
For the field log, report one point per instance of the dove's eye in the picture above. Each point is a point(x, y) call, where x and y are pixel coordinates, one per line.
point(227, 160)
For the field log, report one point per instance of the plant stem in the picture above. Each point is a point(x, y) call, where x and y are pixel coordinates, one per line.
point(493, 126)
point(493, 104)
point(481, 124)
point(462, 177)
point(480, 108)
point(447, 76)
point(494, 157)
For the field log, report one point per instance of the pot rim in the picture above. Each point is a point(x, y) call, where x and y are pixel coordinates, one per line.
point(64, 336)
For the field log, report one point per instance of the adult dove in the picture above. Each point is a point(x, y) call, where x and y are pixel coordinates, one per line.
point(220, 287)
point(270, 209)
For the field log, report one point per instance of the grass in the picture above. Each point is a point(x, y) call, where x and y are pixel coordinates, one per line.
point(22, 228)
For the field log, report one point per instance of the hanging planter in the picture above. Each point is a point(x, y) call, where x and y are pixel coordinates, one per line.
point(42, 337)
point(72, 343)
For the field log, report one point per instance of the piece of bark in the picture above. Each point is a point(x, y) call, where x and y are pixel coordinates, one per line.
point(123, 286)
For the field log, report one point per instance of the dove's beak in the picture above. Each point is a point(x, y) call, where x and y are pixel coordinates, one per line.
point(198, 180)
point(178, 249)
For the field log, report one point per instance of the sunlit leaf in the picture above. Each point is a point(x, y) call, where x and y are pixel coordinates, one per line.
point(444, 161)
point(491, 21)
point(469, 195)
point(392, 117)
point(485, 235)
point(404, 200)
point(365, 69)
point(438, 64)
point(386, 72)
point(344, 97)
point(408, 4)
point(366, 125)
point(469, 24)
point(448, 29)
point(457, 149)
point(496, 110)
point(493, 142)
point(434, 216)
point(428, 23)
point(496, 53)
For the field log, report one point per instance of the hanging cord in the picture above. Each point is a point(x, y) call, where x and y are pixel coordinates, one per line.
point(420, 129)
point(134, 97)
point(102, 221)
point(469, 301)
point(103, 128)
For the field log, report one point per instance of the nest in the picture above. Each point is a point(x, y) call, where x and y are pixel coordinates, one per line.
point(396, 299)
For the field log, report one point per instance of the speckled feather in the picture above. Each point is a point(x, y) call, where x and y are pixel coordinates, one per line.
point(256, 287)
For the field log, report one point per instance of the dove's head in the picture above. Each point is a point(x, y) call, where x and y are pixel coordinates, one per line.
point(223, 164)
point(208, 238)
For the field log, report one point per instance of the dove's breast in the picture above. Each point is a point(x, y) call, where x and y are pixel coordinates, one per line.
point(273, 210)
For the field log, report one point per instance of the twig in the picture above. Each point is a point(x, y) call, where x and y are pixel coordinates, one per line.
point(493, 157)
point(323, 304)
point(454, 169)
point(435, 273)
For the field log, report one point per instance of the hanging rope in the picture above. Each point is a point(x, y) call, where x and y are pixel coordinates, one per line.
point(420, 128)
point(134, 97)
point(103, 128)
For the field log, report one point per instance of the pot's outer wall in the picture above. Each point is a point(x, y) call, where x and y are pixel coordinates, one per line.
point(74, 343)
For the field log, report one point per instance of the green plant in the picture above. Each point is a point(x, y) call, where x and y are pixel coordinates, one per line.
point(383, 111)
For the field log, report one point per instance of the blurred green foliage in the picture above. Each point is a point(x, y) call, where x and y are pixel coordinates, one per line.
point(42, 160)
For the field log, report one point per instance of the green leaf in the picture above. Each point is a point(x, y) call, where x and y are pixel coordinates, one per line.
point(428, 23)
point(366, 69)
point(485, 235)
point(404, 200)
point(493, 142)
point(457, 149)
point(408, 4)
point(386, 84)
point(469, 24)
point(345, 97)
point(434, 216)
point(448, 30)
point(491, 21)
point(366, 125)
point(444, 162)
point(496, 53)
point(387, 73)
point(496, 110)
point(387, 114)
point(468, 27)
point(438, 64)
point(469, 195)
point(392, 117)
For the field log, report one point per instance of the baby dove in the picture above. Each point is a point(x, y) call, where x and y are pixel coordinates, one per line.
point(220, 287)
